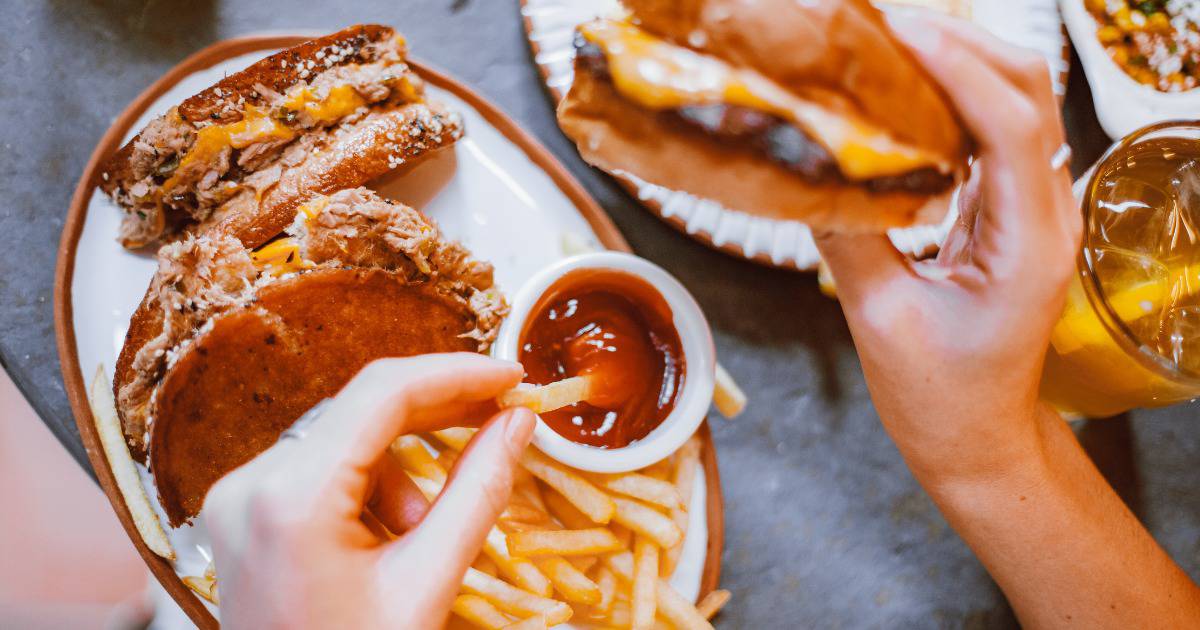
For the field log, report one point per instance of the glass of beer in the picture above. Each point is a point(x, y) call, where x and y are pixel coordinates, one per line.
point(1129, 335)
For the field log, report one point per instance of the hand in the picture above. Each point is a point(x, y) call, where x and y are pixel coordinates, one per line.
point(952, 348)
point(291, 547)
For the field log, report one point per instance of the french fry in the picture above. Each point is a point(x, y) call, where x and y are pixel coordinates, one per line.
point(526, 487)
point(537, 622)
point(203, 586)
point(620, 617)
point(712, 603)
point(456, 438)
point(571, 583)
point(728, 397)
point(479, 612)
point(519, 570)
point(416, 459)
point(687, 462)
point(583, 563)
point(677, 610)
point(623, 534)
point(513, 600)
point(621, 564)
point(660, 469)
point(583, 495)
point(563, 542)
point(120, 462)
point(543, 398)
point(522, 513)
point(487, 565)
point(606, 581)
point(566, 512)
point(645, 583)
point(447, 458)
point(647, 521)
point(638, 486)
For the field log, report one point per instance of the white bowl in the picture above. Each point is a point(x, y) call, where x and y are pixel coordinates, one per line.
point(698, 354)
point(1122, 104)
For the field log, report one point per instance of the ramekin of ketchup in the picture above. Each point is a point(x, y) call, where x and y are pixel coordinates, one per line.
point(637, 333)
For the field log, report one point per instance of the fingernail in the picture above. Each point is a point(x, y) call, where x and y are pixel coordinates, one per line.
point(915, 32)
point(518, 427)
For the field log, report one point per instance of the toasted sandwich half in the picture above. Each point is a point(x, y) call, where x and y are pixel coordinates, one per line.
point(231, 345)
point(240, 156)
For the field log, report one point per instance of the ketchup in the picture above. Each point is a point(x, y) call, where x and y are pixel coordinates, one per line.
point(616, 328)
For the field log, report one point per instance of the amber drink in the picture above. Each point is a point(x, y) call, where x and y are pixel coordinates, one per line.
point(1130, 333)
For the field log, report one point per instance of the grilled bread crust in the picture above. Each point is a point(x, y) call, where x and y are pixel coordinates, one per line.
point(225, 101)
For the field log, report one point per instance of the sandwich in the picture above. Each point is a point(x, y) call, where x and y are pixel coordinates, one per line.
point(811, 111)
point(231, 344)
point(329, 114)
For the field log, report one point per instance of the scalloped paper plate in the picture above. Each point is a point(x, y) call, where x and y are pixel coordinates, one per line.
point(550, 26)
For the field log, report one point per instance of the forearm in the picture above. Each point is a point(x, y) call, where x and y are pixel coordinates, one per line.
point(1061, 544)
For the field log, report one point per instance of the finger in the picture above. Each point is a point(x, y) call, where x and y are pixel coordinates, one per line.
point(397, 502)
point(476, 493)
point(1009, 128)
point(863, 264)
point(391, 397)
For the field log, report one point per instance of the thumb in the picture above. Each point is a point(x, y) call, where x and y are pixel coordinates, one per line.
point(458, 522)
point(863, 264)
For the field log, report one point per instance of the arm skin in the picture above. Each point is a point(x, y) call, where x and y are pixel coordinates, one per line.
point(952, 350)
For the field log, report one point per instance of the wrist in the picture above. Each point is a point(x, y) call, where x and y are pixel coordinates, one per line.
point(993, 448)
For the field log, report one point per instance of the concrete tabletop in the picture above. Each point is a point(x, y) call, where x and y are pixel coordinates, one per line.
point(825, 527)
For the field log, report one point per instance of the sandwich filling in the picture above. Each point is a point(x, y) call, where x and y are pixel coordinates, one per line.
point(183, 167)
point(202, 277)
point(740, 105)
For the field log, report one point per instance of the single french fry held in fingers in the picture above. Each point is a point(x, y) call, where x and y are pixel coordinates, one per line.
point(513, 600)
point(543, 398)
point(647, 521)
point(677, 610)
point(645, 582)
point(455, 438)
point(479, 612)
point(563, 542)
point(571, 583)
point(712, 603)
point(589, 499)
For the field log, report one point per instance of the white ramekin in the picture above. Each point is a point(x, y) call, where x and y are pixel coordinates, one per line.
point(699, 356)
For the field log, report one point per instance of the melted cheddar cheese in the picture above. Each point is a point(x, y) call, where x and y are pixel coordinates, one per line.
point(254, 127)
point(341, 101)
point(280, 257)
point(662, 76)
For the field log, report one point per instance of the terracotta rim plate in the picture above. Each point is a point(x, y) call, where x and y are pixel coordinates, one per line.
point(549, 27)
point(505, 164)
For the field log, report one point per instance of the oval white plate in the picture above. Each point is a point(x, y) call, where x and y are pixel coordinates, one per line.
point(1122, 104)
point(486, 193)
point(550, 26)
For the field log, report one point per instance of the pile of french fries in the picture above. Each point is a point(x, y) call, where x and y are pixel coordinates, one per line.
point(593, 549)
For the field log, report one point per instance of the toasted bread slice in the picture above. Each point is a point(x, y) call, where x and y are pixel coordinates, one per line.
point(245, 133)
point(200, 278)
point(258, 368)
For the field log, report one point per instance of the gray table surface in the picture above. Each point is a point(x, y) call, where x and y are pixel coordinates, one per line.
point(825, 527)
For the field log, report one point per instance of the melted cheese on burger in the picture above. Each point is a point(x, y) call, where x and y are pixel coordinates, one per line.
point(662, 76)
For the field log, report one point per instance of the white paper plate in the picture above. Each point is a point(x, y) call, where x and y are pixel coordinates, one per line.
point(550, 26)
point(486, 193)
point(1122, 104)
